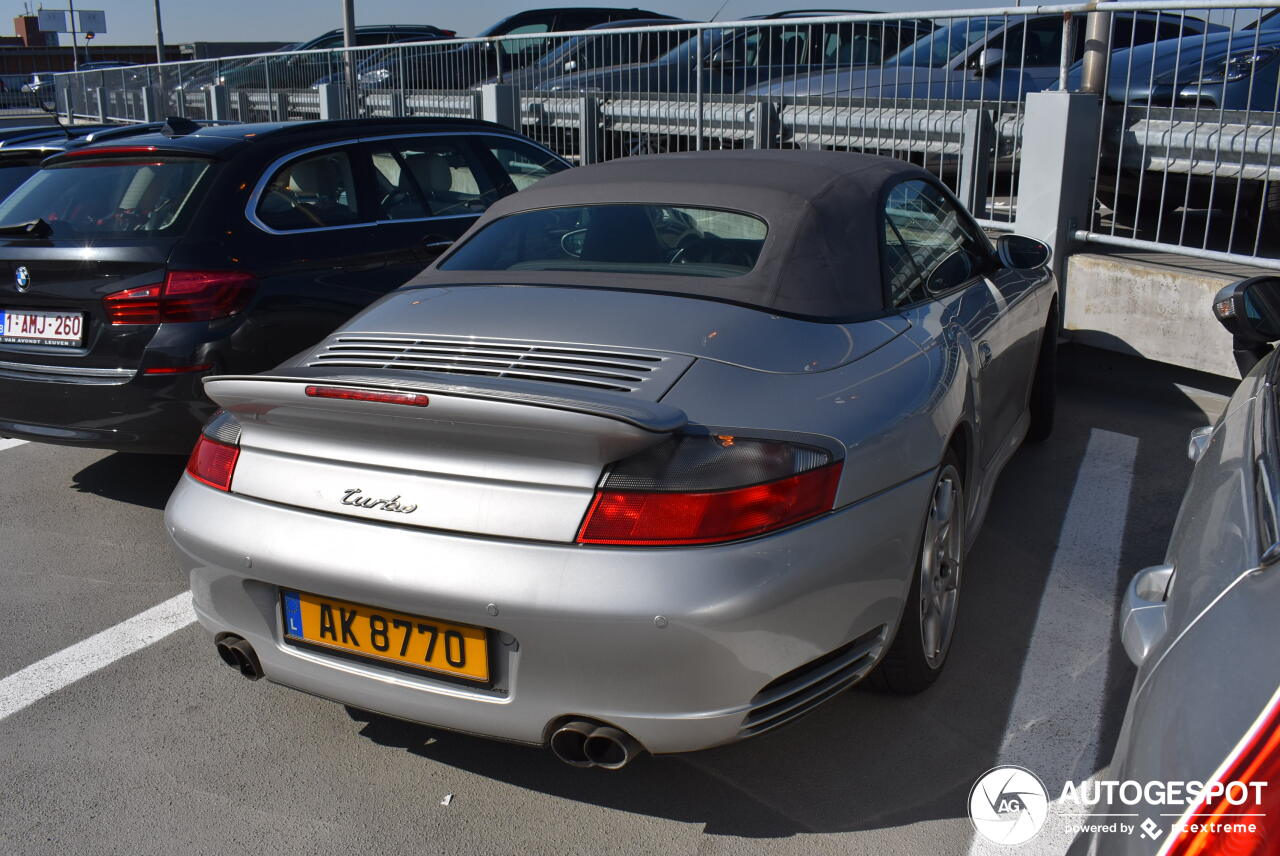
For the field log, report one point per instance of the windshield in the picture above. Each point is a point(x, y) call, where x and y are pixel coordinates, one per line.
point(645, 239)
point(106, 198)
point(940, 47)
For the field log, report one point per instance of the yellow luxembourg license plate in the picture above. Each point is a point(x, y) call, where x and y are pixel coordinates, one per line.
point(408, 640)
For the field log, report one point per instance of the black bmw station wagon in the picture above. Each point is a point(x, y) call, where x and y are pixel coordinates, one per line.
point(129, 270)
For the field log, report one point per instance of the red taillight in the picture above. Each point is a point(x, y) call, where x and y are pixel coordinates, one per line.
point(1222, 828)
point(622, 517)
point(411, 398)
point(213, 463)
point(185, 295)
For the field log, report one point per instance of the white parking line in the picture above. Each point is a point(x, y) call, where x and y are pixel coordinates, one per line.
point(69, 665)
point(1053, 727)
point(9, 444)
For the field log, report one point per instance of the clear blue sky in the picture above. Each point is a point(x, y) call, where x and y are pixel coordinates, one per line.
point(131, 21)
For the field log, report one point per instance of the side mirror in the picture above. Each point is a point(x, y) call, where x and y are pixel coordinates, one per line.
point(573, 242)
point(1250, 311)
point(1022, 253)
point(723, 58)
point(989, 59)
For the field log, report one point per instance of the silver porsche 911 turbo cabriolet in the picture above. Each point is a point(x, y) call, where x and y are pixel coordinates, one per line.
point(663, 453)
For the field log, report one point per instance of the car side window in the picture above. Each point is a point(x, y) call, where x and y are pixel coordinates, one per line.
point(929, 249)
point(432, 177)
point(315, 191)
point(1043, 43)
point(523, 164)
point(530, 46)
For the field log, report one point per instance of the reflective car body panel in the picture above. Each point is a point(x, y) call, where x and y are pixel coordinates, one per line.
point(533, 394)
point(1208, 677)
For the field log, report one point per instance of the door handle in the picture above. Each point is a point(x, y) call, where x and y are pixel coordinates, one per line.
point(436, 242)
point(984, 354)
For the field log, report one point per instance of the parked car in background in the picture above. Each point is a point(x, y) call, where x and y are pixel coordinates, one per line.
point(995, 58)
point(40, 81)
point(1213, 601)
point(1220, 71)
point(139, 265)
point(610, 421)
point(301, 70)
point(1237, 70)
point(463, 66)
point(602, 48)
point(739, 58)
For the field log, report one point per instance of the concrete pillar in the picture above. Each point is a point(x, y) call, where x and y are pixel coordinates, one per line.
point(147, 98)
point(1059, 160)
point(765, 125)
point(280, 106)
point(976, 147)
point(217, 102)
point(500, 102)
point(331, 98)
point(588, 129)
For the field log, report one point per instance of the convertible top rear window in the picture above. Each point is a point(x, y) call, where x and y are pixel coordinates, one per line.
point(617, 238)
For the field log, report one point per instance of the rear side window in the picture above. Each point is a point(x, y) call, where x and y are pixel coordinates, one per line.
point(108, 198)
point(313, 192)
point(428, 178)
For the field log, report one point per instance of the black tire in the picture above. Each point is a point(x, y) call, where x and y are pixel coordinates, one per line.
point(906, 668)
point(1044, 387)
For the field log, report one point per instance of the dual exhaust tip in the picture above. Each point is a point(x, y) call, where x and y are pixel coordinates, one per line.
point(578, 743)
point(581, 743)
point(238, 654)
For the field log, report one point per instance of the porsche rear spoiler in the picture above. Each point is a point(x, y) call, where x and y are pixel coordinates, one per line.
point(235, 390)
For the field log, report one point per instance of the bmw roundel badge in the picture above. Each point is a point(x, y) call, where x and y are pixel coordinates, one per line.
point(22, 278)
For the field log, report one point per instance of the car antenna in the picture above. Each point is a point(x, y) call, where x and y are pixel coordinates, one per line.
point(51, 107)
point(718, 11)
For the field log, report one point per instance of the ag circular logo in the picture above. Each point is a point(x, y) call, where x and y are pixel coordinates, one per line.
point(22, 278)
point(1008, 805)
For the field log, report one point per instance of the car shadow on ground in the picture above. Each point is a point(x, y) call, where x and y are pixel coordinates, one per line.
point(145, 480)
point(869, 759)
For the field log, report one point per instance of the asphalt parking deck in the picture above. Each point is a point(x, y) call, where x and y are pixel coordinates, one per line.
point(166, 750)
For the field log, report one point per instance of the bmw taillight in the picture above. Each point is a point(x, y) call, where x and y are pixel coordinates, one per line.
point(1238, 813)
point(185, 295)
point(708, 489)
point(213, 460)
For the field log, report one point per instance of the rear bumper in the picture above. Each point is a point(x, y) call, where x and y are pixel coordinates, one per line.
point(575, 630)
point(159, 414)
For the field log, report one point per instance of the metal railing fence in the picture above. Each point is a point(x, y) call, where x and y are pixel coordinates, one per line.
point(1174, 169)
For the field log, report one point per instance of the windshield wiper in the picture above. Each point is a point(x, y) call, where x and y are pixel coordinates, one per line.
point(37, 228)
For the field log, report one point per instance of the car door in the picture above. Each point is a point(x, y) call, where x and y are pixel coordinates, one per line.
point(310, 244)
point(937, 267)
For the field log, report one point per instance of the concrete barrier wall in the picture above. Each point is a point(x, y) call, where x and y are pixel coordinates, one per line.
point(1150, 309)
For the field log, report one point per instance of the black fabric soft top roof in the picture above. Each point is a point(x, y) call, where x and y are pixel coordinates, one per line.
point(821, 257)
